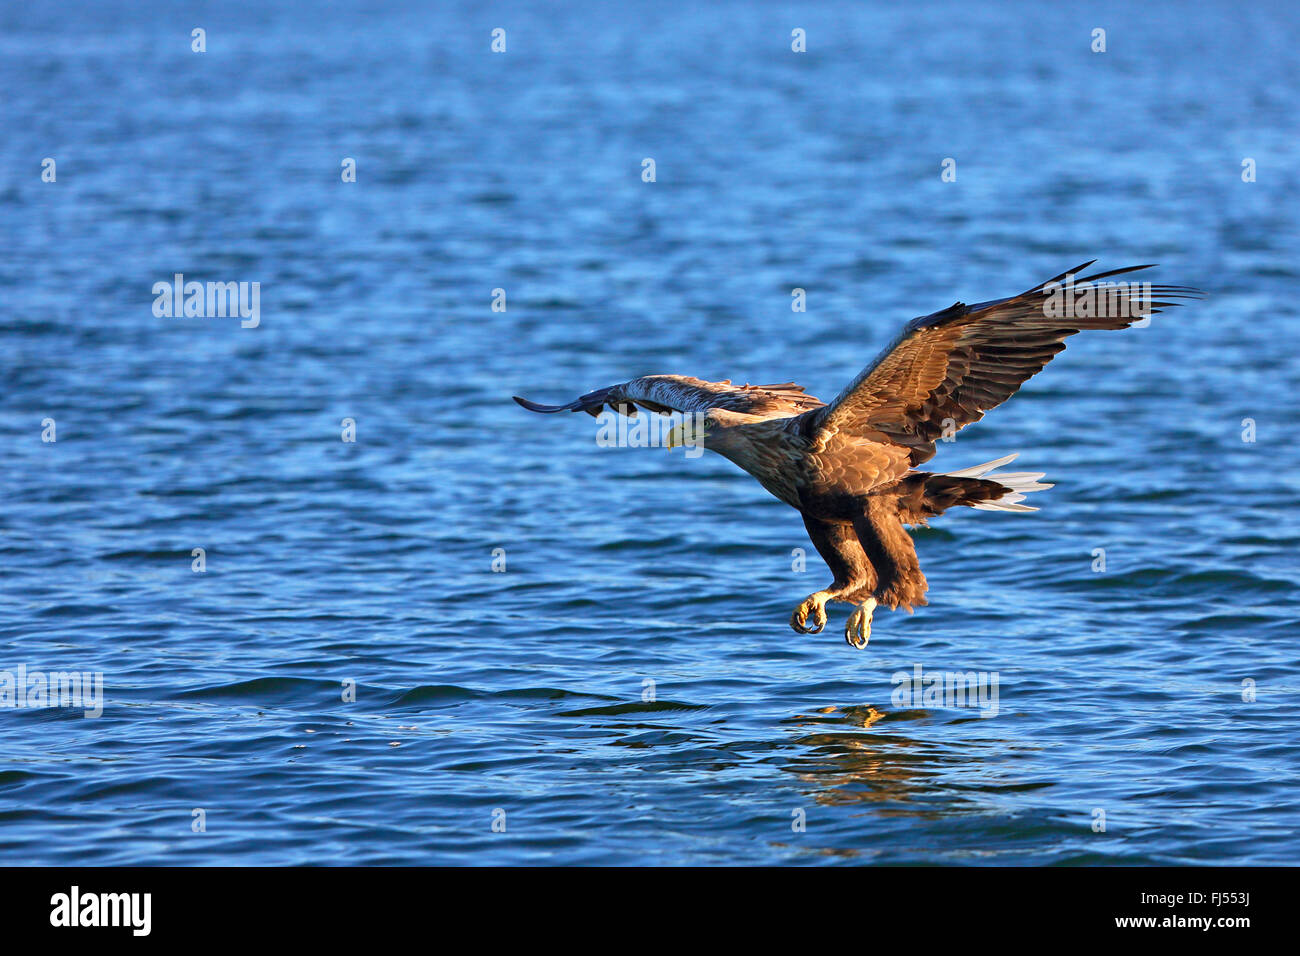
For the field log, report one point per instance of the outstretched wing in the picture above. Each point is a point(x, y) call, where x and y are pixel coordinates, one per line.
point(955, 365)
point(681, 393)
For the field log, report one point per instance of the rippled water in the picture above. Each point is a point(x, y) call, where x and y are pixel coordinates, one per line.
point(476, 691)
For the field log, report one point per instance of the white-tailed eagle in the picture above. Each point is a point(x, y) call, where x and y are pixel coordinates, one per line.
point(849, 467)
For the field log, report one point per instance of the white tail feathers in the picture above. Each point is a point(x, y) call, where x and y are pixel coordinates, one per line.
point(979, 471)
point(1020, 483)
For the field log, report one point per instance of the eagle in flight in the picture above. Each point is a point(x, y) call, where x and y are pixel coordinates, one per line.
point(849, 467)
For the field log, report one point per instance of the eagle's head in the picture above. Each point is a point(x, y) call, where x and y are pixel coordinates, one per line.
point(716, 429)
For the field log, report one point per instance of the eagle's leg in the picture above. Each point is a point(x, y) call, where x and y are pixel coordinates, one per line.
point(889, 549)
point(837, 543)
point(814, 604)
point(857, 630)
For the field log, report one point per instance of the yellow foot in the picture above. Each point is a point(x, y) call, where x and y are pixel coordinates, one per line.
point(857, 631)
point(815, 604)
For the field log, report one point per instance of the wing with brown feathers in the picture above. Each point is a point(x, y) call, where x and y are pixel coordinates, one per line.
point(681, 393)
point(957, 364)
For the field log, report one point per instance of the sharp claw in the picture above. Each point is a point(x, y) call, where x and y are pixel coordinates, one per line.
point(857, 630)
point(799, 619)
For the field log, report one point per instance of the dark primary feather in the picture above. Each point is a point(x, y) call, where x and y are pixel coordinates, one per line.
point(956, 364)
point(681, 393)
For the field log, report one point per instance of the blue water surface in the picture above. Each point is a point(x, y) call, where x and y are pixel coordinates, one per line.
point(627, 690)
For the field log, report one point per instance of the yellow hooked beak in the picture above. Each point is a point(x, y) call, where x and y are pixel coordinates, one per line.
point(685, 434)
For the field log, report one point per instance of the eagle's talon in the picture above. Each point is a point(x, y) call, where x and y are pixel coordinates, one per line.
point(814, 604)
point(857, 630)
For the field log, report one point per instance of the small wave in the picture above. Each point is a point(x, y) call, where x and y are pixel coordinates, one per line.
point(634, 707)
